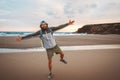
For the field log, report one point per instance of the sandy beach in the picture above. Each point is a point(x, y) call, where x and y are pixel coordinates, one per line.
point(82, 64)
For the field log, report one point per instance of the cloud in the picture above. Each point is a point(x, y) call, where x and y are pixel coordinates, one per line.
point(31, 12)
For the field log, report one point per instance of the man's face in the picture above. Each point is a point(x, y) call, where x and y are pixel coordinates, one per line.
point(44, 26)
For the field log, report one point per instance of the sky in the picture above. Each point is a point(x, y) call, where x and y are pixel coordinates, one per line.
point(26, 15)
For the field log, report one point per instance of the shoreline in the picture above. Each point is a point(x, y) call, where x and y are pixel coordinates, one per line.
point(64, 48)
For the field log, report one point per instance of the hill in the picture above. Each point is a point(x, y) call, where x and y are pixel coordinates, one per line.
point(106, 28)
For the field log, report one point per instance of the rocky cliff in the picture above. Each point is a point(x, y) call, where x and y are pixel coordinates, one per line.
point(108, 28)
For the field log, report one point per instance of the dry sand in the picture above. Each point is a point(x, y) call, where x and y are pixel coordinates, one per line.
point(82, 64)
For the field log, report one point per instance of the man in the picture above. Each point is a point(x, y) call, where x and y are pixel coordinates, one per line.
point(49, 43)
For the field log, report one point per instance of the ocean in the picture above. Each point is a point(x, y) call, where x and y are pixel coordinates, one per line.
point(8, 50)
point(67, 48)
point(26, 33)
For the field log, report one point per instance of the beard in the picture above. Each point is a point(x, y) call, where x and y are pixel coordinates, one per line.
point(44, 28)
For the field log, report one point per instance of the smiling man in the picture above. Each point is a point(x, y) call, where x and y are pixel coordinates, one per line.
point(49, 43)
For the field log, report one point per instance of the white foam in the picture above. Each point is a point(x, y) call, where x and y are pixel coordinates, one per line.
point(55, 34)
point(64, 48)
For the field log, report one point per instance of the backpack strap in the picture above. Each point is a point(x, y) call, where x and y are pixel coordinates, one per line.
point(50, 30)
point(41, 34)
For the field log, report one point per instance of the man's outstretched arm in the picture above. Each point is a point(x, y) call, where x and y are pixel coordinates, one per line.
point(19, 38)
point(62, 26)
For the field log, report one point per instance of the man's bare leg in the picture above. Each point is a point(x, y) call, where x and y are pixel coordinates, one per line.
point(50, 68)
point(61, 58)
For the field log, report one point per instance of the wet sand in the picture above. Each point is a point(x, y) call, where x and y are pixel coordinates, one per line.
point(10, 42)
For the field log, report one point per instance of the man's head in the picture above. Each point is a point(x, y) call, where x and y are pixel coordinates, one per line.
point(43, 25)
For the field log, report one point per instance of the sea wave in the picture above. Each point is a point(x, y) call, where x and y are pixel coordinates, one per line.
point(26, 33)
point(65, 48)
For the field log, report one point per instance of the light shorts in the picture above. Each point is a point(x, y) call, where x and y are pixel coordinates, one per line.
point(51, 51)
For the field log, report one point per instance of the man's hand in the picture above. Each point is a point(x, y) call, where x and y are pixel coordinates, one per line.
point(71, 22)
point(19, 38)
